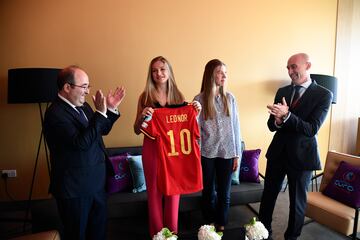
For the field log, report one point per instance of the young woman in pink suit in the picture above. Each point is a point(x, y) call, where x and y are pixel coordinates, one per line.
point(160, 91)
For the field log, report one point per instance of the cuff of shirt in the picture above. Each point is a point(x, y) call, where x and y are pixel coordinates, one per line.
point(284, 120)
point(104, 114)
point(286, 117)
point(114, 110)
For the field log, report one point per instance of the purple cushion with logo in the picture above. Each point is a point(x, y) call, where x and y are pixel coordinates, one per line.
point(345, 185)
point(122, 179)
point(249, 170)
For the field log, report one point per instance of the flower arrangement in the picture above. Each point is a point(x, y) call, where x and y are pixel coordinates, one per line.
point(165, 234)
point(255, 230)
point(208, 232)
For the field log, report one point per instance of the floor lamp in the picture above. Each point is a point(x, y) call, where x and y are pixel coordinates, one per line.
point(33, 85)
point(330, 83)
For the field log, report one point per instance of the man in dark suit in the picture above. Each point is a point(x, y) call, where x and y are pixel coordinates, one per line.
point(74, 132)
point(294, 149)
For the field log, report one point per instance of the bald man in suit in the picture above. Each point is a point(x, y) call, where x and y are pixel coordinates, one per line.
point(74, 133)
point(296, 116)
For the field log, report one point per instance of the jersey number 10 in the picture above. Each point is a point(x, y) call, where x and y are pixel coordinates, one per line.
point(185, 137)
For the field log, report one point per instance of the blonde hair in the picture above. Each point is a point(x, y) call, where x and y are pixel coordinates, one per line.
point(208, 88)
point(174, 96)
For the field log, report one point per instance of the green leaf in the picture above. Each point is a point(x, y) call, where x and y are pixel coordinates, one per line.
point(167, 233)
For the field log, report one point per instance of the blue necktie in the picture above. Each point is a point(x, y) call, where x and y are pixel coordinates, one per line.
point(82, 115)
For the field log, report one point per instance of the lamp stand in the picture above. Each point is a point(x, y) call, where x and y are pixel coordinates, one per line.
point(42, 138)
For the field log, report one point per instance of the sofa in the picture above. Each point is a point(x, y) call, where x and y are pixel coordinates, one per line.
point(128, 204)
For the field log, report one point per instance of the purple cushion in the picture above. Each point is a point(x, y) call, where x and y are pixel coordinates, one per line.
point(122, 179)
point(249, 170)
point(345, 185)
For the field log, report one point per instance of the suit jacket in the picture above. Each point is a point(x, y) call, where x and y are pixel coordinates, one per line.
point(77, 153)
point(295, 141)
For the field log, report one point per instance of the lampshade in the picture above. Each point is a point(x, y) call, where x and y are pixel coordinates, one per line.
point(328, 82)
point(32, 85)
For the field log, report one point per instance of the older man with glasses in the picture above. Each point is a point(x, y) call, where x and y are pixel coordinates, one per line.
point(74, 133)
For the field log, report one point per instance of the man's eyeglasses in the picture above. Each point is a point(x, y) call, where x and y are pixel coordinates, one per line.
point(85, 87)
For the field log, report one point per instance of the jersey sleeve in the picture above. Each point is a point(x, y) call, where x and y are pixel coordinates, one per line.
point(148, 128)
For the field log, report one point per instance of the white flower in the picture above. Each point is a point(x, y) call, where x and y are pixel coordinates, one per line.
point(255, 230)
point(207, 232)
point(165, 234)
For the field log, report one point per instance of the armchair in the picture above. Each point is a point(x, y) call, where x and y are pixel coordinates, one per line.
point(327, 211)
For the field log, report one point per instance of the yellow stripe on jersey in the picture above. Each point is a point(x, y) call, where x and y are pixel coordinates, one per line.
point(146, 134)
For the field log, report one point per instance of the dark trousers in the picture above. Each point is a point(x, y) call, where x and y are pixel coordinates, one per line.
point(298, 182)
point(84, 218)
point(216, 193)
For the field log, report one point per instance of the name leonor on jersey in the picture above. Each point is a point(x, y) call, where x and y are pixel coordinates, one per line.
point(176, 118)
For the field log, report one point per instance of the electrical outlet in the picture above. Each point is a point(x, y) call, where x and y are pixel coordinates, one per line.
point(10, 173)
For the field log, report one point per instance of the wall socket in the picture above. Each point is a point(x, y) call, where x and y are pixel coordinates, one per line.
point(10, 173)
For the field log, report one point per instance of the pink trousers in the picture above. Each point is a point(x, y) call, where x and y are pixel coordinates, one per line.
point(163, 210)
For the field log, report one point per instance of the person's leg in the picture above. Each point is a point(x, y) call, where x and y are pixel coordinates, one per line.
point(74, 215)
point(155, 209)
point(223, 177)
point(298, 185)
point(171, 212)
point(208, 192)
point(274, 177)
point(97, 223)
point(154, 197)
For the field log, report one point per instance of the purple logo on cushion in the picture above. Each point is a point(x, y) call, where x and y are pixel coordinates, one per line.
point(121, 181)
point(244, 169)
point(344, 186)
point(349, 176)
point(121, 172)
point(249, 171)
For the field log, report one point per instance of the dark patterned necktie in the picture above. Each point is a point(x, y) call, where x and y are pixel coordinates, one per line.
point(82, 115)
point(296, 97)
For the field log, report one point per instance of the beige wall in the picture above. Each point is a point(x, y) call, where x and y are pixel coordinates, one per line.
point(115, 40)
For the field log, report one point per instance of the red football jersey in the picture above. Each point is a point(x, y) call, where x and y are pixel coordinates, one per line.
point(177, 133)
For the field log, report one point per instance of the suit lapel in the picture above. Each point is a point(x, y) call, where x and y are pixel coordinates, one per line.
point(305, 97)
point(88, 111)
point(72, 112)
point(288, 95)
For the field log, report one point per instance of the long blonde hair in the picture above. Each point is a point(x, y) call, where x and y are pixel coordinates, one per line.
point(208, 88)
point(174, 96)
